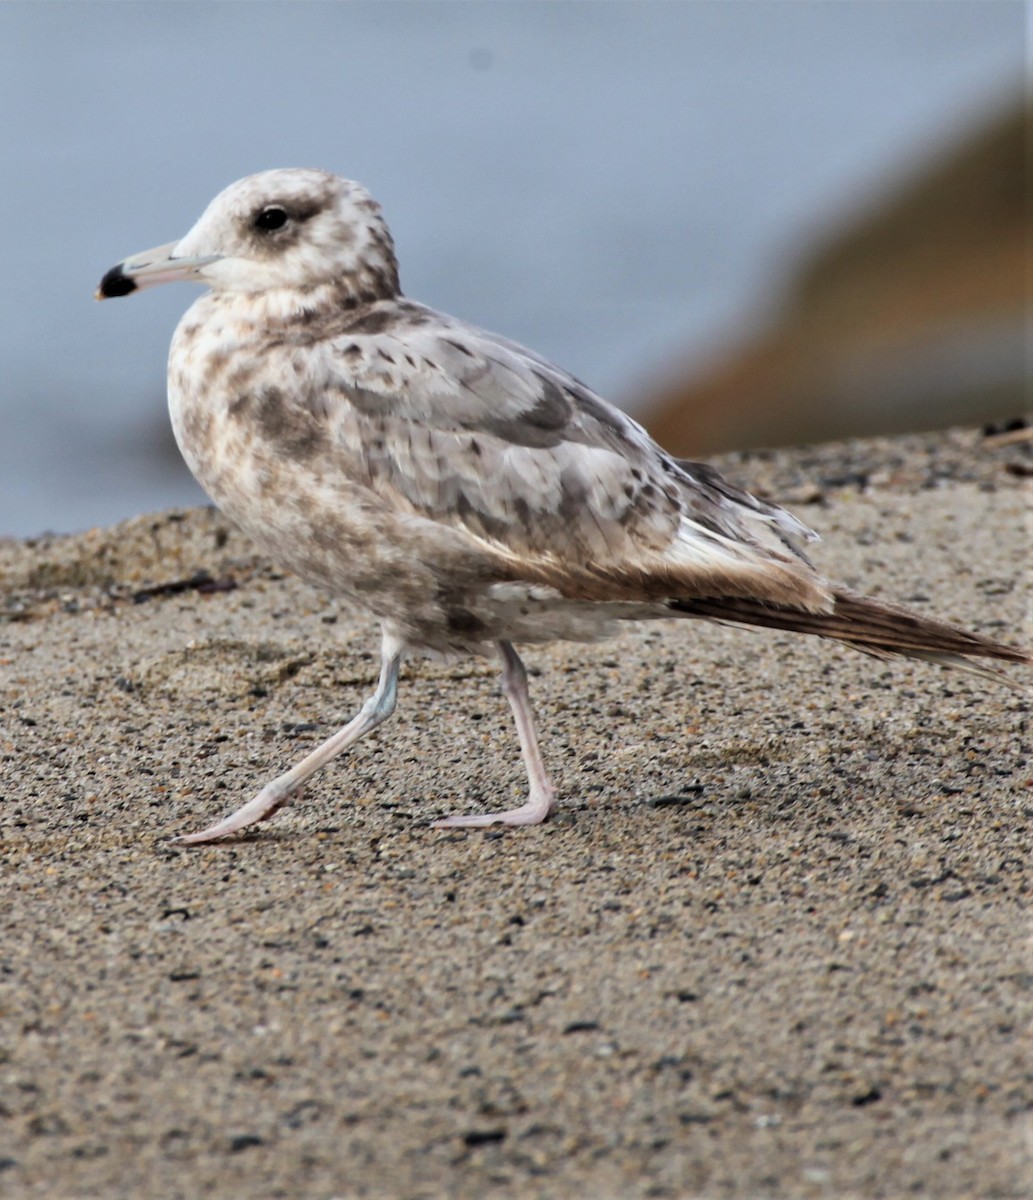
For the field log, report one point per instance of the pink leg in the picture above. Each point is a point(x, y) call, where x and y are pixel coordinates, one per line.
point(542, 797)
point(286, 787)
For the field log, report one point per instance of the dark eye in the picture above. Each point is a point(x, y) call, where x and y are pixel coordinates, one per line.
point(271, 217)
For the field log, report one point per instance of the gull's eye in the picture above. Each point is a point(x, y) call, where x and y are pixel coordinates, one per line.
point(271, 217)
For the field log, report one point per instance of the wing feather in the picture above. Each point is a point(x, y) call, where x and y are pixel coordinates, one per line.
point(465, 429)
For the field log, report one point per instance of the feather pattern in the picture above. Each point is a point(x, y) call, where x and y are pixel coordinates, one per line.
point(450, 424)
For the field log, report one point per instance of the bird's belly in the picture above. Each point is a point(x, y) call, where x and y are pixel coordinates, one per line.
point(521, 612)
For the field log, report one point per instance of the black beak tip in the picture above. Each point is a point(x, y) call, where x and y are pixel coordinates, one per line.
point(115, 283)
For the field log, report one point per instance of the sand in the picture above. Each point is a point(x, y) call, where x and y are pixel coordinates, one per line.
point(774, 943)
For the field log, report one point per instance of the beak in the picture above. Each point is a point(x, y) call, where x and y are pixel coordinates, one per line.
point(150, 268)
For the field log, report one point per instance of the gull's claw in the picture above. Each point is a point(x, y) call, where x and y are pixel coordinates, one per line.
point(268, 802)
point(533, 812)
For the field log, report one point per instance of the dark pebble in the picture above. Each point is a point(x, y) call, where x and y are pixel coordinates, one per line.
point(244, 1141)
point(483, 1137)
point(689, 793)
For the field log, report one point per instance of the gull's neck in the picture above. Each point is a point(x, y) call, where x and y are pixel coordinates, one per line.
point(289, 306)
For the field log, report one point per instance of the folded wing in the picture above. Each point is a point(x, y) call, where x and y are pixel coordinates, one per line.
point(466, 429)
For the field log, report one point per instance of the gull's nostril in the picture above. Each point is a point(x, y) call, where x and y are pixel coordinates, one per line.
point(115, 283)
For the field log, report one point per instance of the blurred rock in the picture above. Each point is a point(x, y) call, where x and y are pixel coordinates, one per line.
point(912, 318)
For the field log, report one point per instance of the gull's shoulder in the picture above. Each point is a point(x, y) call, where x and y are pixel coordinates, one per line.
point(414, 361)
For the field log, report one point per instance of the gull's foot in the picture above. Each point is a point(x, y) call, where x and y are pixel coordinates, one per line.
point(533, 812)
point(269, 800)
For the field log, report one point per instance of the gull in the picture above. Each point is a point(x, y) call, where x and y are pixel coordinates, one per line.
point(453, 484)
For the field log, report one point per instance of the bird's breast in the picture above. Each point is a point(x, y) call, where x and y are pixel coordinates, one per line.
point(268, 458)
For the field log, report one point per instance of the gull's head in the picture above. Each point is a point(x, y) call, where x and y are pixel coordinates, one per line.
point(295, 229)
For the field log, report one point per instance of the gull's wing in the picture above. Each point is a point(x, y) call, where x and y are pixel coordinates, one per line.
point(463, 428)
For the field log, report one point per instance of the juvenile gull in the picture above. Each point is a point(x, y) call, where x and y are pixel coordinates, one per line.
point(457, 486)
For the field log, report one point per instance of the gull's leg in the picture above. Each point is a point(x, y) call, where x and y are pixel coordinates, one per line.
point(277, 793)
point(542, 796)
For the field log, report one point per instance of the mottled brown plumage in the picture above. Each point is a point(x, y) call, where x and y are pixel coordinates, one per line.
point(455, 485)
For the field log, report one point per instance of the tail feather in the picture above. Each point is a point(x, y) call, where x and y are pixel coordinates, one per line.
point(871, 626)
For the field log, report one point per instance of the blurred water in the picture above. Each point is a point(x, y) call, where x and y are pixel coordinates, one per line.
point(609, 183)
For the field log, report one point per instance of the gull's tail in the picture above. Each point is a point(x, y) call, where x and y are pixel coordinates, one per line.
point(884, 630)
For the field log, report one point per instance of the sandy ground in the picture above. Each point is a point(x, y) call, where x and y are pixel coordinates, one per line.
point(775, 943)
